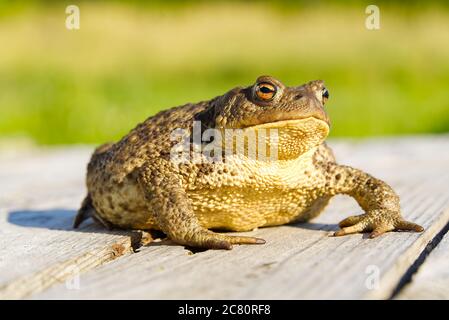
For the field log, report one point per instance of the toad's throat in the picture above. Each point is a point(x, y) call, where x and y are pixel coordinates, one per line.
point(279, 140)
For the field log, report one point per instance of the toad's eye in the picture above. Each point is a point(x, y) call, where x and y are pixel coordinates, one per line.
point(325, 95)
point(265, 91)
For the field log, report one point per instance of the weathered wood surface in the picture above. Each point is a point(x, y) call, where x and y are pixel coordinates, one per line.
point(432, 278)
point(39, 193)
point(42, 257)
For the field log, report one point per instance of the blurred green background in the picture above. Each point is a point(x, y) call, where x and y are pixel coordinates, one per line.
point(132, 59)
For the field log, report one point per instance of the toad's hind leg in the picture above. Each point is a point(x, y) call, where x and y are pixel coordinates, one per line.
point(87, 211)
point(174, 214)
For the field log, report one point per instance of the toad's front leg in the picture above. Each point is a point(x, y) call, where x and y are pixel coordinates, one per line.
point(173, 210)
point(377, 199)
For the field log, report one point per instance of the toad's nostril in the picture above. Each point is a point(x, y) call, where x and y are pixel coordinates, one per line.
point(298, 96)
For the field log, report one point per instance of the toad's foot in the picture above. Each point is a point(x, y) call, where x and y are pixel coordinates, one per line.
point(211, 240)
point(374, 196)
point(377, 222)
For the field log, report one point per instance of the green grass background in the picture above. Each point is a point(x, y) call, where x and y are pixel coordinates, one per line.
point(130, 60)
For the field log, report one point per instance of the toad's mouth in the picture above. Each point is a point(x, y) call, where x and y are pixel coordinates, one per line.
point(295, 122)
point(278, 119)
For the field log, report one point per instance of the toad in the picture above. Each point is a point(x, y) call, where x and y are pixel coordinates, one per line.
point(135, 184)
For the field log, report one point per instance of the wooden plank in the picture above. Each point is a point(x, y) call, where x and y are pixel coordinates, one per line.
point(432, 279)
point(40, 191)
point(298, 261)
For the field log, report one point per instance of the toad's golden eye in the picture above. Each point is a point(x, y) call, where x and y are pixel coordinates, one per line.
point(265, 91)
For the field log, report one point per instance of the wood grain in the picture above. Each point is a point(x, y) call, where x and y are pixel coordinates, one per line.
point(40, 191)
